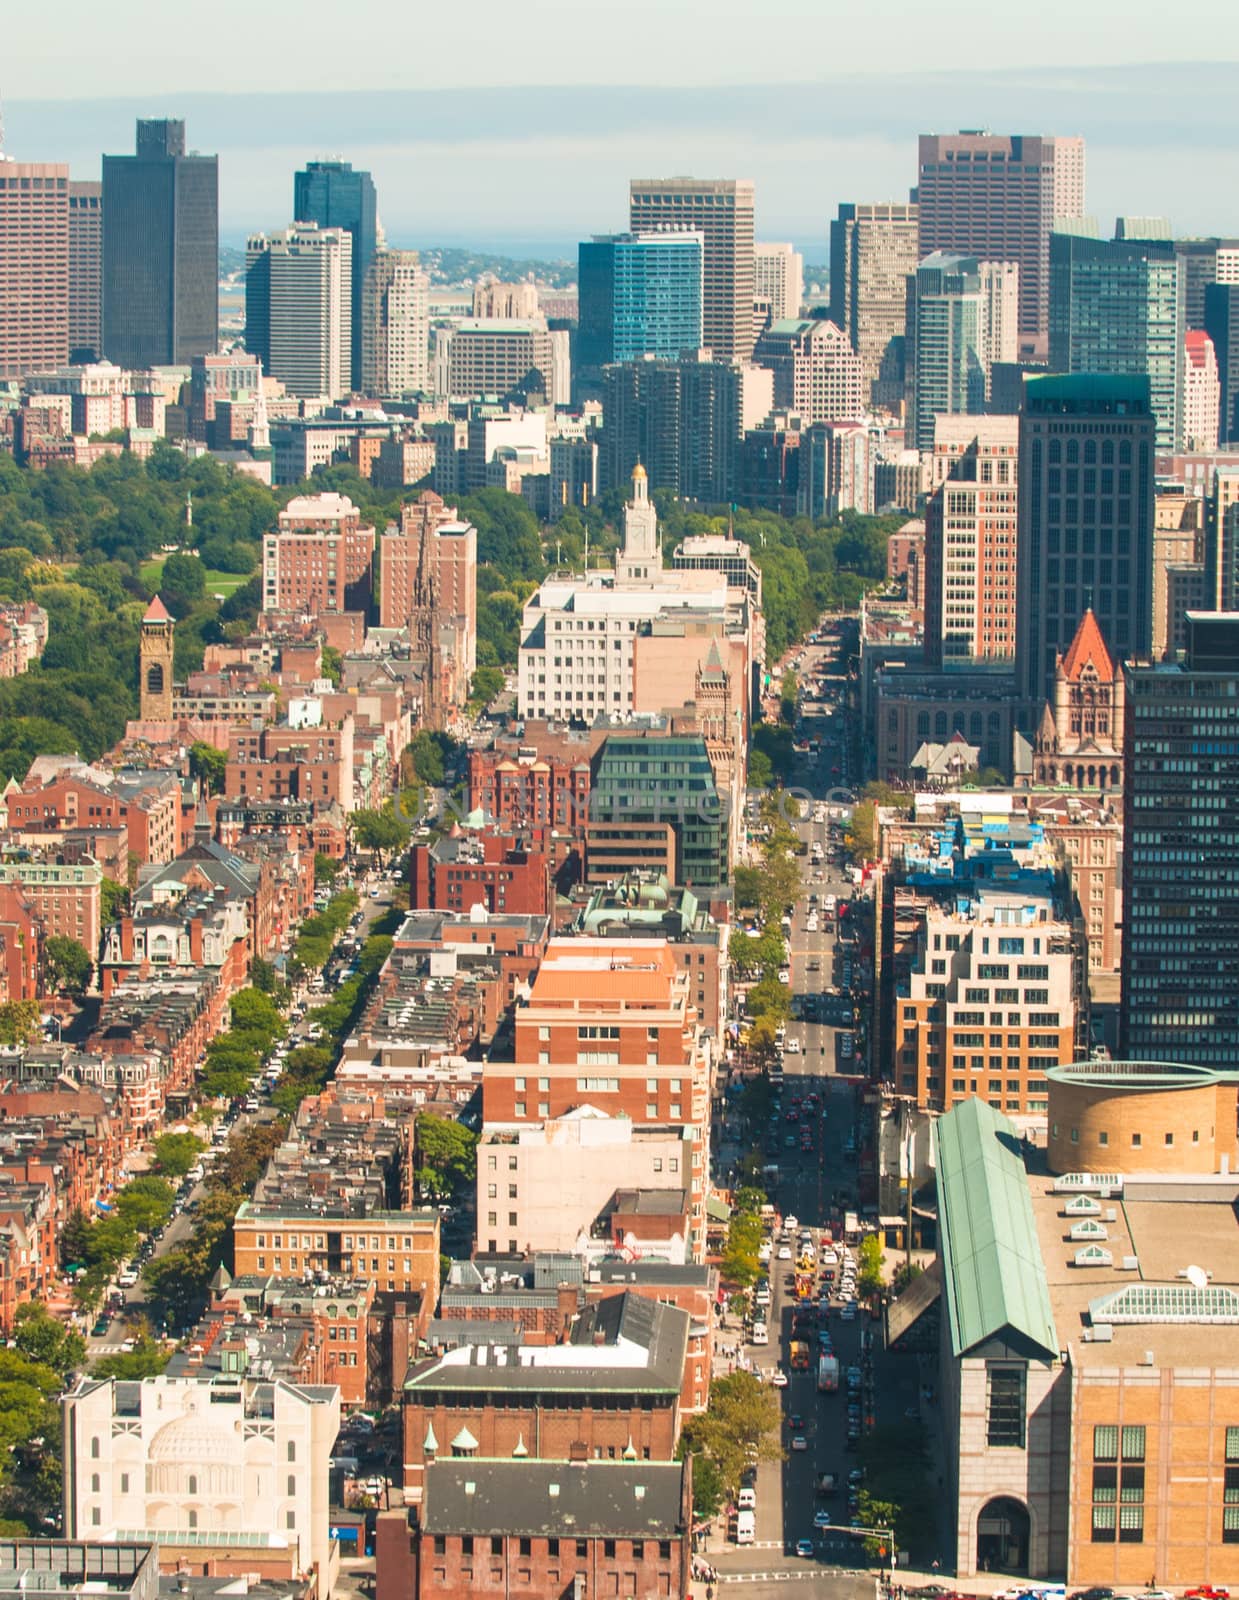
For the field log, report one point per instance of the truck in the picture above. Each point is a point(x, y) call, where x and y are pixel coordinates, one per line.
point(800, 1355)
point(828, 1374)
point(826, 1484)
point(746, 1527)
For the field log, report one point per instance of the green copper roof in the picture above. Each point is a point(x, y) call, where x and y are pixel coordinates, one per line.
point(992, 1269)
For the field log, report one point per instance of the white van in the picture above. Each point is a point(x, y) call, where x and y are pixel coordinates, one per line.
point(746, 1500)
point(761, 1333)
point(746, 1527)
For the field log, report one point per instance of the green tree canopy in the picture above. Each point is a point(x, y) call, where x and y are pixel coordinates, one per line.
point(209, 766)
point(69, 963)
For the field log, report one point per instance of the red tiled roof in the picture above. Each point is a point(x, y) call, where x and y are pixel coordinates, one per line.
point(1088, 645)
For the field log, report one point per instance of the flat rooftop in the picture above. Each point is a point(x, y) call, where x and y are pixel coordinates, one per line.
point(1167, 1224)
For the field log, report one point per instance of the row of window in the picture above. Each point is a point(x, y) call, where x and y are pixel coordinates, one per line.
point(1137, 1139)
point(469, 1544)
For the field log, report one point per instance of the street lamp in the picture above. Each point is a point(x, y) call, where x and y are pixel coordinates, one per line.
point(865, 1533)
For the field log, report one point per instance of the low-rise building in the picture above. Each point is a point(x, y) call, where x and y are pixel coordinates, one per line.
point(503, 872)
point(541, 1529)
point(237, 1462)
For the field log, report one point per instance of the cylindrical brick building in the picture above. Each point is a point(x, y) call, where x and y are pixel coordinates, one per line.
point(1141, 1117)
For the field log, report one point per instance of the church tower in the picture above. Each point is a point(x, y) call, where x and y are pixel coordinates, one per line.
point(155, 658)
point(640, 556)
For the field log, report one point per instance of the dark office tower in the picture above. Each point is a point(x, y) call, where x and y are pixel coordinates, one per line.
point(873, 251)
point(721, 210)
point(1221, 323)
point(639, 296)
point(1085, 530)
point(997, 196)
point(1180, 995)
point(1116, 306)
point(160, 251)
point(333, 195)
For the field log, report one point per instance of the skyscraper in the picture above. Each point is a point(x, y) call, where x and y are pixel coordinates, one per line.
point(331, 194)
point(160, 251)
point(778, 283)
point(299, 307)
point(721, 210)
point(1201, 392)
point(34, 266)
point(395, 333)
point(996, 196)
point(961, 318)
point(817, 374)
point(85, 271)
point(1086, 511)
point(1180, 997)
point(640, 295)
point(1205, 261)
point(873, 250)
point(1221, 320)
point(970, 542)
point(1116, 306)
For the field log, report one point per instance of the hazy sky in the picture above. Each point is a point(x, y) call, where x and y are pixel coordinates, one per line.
point(137, 46)
point(518, 125)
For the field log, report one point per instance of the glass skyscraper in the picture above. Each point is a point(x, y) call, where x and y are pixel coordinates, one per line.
point(333, 195)
point(640, 295)
point(1117, 306)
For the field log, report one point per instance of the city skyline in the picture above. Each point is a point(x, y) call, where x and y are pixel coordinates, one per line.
point(1161, 139)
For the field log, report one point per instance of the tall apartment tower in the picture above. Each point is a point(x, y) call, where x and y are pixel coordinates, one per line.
point(970, 542)
point(1180, 995)
point(34, 266)
point(395, 329)
point(160, 251)
point(1202, 392)
point(299, 307)
point(874, 248)
point(778, 283)
point(155, 652)
point(640, 295)
point(85, 271)
point(997, 196)
point(1086, 513)
point(333, 195)
point(962, 317)
point(721, 210)
point(1116, 306)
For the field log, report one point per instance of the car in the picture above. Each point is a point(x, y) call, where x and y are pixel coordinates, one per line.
point(101, 1326)
point(795, 1422)
point(779, 1378)
point(785, 1252)
point(804, 1547)
point(799, 1442)
point(792, 1047)
point(1201, 1591)
point(821, 1519)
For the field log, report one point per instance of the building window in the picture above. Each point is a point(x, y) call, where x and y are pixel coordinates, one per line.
point(292, 1449)
point(193, 1483)
point(582, 1549)
point(292, 1484)
point(525, 1549)
point(608, 1549)
point(1118, 1485)
point(1004, 1406)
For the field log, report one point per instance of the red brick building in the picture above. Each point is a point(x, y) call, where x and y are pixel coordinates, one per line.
point(148, 806)
point(504, 872)
point(610, 1392)
point(540, 1529)
point(314, 764)
point(541, 791)
point(320, 559)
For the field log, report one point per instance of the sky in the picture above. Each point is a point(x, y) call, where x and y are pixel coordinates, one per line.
point(518, 126)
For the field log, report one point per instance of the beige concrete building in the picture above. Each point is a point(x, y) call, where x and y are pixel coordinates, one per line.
point(1178, 565)
point(395, 333)
point(507, 302)
point(778, 284)
point(817, 374)
point(554, 1186)
point(722, 211)
point(85, 269)
point(495, 356)
point(181, 1461)
point(873, 250)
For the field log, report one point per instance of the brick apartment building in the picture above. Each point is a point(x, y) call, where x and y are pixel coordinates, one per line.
point(503, 872)
point(66, 896)
point(148, 807)
point(320, 559)
point(536, 791)
point(313, 764)
point(540, 1529)
point(398, 1249)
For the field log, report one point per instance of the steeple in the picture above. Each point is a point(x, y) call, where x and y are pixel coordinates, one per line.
point(640, 556)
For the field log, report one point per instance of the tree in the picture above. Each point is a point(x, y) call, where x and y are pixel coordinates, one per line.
point(381, 831)
point(904, 1274)
point(209, 766)
point(332, 665)
point(256, 1012)
point(145, 1203)
point(182, 583)
point(68, 963)
point(147, 1359)
point(870, 1257)
point(326, 868)
point(19, 1022)
point(75, 1239)
point(486, 683)
point(740, 1426)
point(741, 1263)
point(429, 753)
point(175, 1153)
point(42, 1338)
point(445, 1155)
point(113, 901)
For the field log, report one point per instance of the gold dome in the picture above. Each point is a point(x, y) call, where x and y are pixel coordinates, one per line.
point(639, 473)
